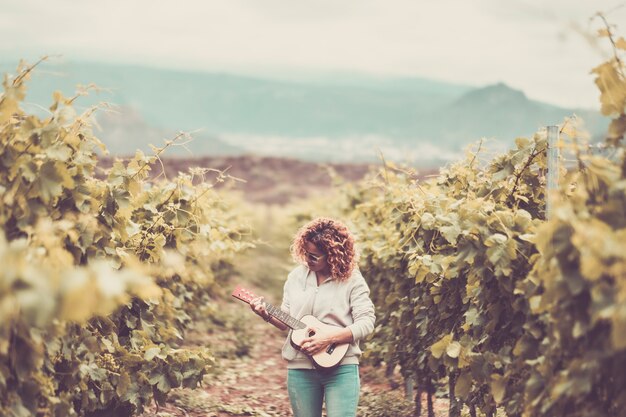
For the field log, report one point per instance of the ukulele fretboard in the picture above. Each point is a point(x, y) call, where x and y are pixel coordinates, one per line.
point(295, 324)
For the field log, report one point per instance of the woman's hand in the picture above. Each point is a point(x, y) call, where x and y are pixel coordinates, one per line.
point(258, 306)
point(316, 343)
point(320, 341)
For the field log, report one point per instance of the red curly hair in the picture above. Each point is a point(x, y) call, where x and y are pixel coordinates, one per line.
point(334, 239)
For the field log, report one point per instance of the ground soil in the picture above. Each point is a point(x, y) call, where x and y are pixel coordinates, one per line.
point(255, 384)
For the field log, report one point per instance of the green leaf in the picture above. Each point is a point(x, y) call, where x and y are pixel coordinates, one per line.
point(427, 221)
point(151, 353)
point(59, 151)
point(163, 384)
point(123, 384)
point(52, 178)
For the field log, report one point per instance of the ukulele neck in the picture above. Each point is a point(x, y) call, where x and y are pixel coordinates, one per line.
point(290, 321)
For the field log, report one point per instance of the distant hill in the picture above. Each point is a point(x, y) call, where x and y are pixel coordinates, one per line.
point(498, 111)
point(330, 117)
point(268, 180)
point(125, 130)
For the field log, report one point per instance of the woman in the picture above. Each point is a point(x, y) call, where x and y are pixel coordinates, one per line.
point(327, 285)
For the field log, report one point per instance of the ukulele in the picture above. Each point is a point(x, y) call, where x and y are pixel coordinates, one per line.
point(325, 359)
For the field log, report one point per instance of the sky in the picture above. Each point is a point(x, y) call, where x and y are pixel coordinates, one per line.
point(537, 46)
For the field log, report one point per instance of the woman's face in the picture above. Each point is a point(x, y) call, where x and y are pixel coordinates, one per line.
point(315, 258)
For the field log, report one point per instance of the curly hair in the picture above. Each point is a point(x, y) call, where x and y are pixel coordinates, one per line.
point(334, 239)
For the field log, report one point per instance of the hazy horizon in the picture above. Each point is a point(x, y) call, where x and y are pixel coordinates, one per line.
point(541, 49)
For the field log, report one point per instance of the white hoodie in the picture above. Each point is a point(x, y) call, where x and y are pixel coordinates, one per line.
point(339, 303)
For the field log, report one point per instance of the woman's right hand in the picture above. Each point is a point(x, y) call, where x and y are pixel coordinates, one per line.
point(258, 306)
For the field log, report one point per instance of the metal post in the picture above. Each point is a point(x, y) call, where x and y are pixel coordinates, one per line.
point(553, 168)
point(409, 386)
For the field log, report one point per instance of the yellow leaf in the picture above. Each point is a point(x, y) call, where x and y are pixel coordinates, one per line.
point(464, 359)
point(618, 327)
point(81, 296)
point(57, 96)
point(498, 387)
point(617, 128)
point(454, 349)
point(463, 385)
point(621, 43)
point(439, 347)
point(612, 88)
point(522, 142)
point(421, 273)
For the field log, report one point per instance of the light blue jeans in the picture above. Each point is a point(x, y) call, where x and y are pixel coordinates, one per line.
point(308, 388)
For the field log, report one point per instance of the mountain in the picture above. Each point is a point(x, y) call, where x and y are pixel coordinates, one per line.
point(125, 130)
point(330, 117)
point(500, 112)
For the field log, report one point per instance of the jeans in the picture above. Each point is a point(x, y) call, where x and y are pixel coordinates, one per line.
point(308, 387)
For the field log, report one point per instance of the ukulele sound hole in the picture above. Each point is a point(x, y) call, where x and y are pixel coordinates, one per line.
point(311, 333)
point(331, 349)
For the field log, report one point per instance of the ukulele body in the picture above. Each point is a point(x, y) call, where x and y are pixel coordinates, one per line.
point(327, 358)
point(331, 355)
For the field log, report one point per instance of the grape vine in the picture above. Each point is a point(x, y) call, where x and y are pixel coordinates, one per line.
point(102, 276)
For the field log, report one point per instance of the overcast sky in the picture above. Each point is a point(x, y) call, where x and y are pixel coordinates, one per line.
point(532, 45)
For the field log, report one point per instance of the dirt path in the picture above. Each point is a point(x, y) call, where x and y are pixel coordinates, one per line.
point(255, 384)
point(249, 378)
point(249, 385)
